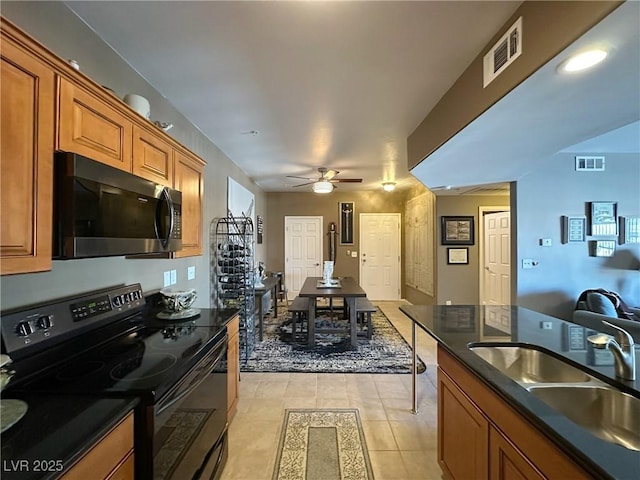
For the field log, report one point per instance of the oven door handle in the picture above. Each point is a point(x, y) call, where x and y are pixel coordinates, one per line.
point(219, 443)
point(178, 392)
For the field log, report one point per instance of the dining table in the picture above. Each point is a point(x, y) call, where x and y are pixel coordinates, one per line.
point(341, 287)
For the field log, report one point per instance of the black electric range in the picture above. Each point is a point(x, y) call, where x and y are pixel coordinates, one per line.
point(111, 344)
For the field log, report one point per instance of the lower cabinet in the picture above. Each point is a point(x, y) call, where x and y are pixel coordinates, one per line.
point(462, 432)
point(110, 458)
point(233, 367)
point(480, 436)
point(506, 462)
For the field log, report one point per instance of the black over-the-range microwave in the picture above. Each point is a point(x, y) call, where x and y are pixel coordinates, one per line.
point(101, 211)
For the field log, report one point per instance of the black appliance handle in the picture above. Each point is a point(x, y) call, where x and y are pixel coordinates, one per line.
point(190, 384)
point(164, 199)
point(220, 443)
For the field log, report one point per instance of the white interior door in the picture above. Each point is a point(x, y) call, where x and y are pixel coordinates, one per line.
point(380, 255)
point(496, 271)
point(302, 251)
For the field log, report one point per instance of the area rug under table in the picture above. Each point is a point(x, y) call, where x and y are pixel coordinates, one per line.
point(322, 445)
point(385, 352)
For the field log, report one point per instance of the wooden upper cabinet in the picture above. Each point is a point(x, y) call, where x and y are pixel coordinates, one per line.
point(188, 178)
point(152, 156)
point(26, 160)
point(91, 127)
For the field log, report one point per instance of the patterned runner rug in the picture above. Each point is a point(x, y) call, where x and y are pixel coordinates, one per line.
point(385, 352)
point(322, 445)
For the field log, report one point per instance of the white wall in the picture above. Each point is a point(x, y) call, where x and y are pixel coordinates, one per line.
point(563, 271)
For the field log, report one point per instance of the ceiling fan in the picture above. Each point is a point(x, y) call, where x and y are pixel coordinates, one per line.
point(325, 183)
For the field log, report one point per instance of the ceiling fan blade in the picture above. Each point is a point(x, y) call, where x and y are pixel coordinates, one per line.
point(346, 180)
point(303, 184)
point(303, 178)
point(329, 174)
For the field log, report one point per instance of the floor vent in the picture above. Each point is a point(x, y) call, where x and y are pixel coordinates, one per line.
point(589, 164)
point(503, 53)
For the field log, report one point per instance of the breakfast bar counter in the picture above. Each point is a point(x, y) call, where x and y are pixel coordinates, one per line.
point(455, 328)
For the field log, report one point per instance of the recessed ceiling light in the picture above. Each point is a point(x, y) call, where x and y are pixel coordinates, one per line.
point(584, 60)
point(389, 186)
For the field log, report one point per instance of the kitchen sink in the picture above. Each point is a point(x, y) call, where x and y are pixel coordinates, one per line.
point(525, 364)
point(609, 414)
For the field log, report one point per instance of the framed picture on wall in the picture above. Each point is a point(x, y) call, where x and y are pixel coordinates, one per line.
point(457, 256)
point(603, 218)
point(456, 230)
point(347, 210)
point(574, 228)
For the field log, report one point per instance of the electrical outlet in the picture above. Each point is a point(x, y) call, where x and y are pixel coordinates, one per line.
point(348, 253)
point(447, 302)
point(527, 263)
point(174, 277)
point(546, 325)
point(545, 242)
point(191, 273)
point(167, 279)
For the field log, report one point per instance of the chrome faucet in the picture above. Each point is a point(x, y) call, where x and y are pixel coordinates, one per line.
point(622, 349)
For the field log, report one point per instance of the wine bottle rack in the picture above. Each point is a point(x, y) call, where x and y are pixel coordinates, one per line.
point(232, 268)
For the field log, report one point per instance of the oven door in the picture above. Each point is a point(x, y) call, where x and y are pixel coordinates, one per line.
point(190, 423)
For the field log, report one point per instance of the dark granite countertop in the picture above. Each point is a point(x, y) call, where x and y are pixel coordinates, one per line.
point(454, 327)
point(55, 432)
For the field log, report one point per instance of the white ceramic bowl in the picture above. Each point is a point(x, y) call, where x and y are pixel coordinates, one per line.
point(175, 300)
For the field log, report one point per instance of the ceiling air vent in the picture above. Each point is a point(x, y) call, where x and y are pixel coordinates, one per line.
point(500, 56)
point(589, 164)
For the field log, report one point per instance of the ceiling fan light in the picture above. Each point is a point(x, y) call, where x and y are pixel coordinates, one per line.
point(389, 186)
point(323, 186)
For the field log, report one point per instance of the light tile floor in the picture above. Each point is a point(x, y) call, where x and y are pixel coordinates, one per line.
point(401, 445)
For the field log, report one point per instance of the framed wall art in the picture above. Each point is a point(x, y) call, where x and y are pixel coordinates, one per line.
point(457, 256)
point(603, 248)
point(603, 218)
point(456, 230)
point(574, 228)
point(347, 214)
point(629, 230)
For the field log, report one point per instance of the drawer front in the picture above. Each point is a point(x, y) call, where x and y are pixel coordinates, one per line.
point(106, 455)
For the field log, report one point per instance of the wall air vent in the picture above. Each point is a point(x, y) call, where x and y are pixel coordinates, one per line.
point(503, 53)
point(589, 164)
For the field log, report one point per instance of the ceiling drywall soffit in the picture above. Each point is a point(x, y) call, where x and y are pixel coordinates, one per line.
point(551, 112)
point(326, 84)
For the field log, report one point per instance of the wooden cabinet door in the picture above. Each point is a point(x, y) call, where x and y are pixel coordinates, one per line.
point(463, 433)
point(89, 126)
point(26, 161)
point(233, 367)
point(506, 462)
point(152, 157)
point(188, 178)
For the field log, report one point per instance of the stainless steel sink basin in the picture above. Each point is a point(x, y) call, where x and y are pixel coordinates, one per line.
point(607, 413)
point(528, 365)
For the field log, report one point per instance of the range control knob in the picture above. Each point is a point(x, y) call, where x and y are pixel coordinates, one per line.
point(24, 329)
point(45, 321)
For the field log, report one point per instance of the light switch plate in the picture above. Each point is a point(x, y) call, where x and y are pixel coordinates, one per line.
point(167, 279)
point(174, 277)
point(354, 254)
point(191, 273)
